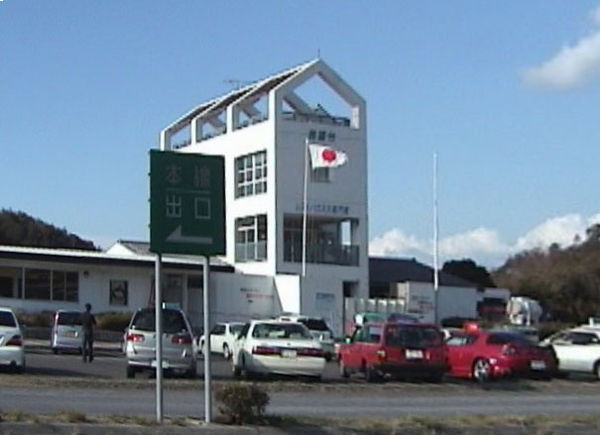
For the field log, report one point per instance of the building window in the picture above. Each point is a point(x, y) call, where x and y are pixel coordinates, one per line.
point(322, 135)
point(10, 282)
point(65, 286)
point(118, 292)
point(251, 238)
point(320, 175)
point(312, 135)
point(37, 284)
point(251, 174)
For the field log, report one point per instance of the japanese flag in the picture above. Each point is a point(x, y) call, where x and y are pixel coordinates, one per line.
point(325, 157)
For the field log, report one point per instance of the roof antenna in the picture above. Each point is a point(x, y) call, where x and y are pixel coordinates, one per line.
point(318, 53)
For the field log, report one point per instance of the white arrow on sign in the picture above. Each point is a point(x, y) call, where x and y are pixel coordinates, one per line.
point(177, 237)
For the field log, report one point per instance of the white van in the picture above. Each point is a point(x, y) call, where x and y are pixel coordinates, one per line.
point(66, 331)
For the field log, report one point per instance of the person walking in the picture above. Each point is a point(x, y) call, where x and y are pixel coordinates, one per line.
point(88, 322)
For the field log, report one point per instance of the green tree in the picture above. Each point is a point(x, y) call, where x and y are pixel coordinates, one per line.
point(469, 270)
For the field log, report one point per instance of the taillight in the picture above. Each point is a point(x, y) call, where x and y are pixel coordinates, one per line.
point(136, 338)
point(310, 351)
point(15, 341)
point(265, 350)
point(182, 339)
point(381, 354)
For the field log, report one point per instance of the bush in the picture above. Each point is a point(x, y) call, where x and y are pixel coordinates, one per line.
point(113, 321)
point(35, 319)
point(242, 403)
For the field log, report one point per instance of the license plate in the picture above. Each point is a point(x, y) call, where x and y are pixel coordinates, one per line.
point(538, 365)
point(288, 353)
point(414, 354)
point(165, 364)
point(71, 334)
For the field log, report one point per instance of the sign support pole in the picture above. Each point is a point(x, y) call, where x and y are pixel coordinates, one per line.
point(158, 328)
point(207, 374)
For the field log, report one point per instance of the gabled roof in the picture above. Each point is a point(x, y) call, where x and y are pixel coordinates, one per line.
point(386, 270)
point(237, 95)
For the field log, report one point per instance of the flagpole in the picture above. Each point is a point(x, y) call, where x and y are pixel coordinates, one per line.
point(435, 239)
point(304, 208)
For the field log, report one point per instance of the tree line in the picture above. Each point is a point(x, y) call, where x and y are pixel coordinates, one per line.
point(566, 281)
point(20, 229)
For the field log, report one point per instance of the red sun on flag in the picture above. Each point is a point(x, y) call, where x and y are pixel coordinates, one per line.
point(329, 155)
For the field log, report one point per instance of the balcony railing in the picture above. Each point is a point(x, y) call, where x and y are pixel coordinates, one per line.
point(341, 255)
point(313, 117)
point(245, 252)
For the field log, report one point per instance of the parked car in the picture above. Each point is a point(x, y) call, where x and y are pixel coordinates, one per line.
point(576, 350)
point(66, 331)
point(394, 349)
point(222, 337)
point(12, 351)
point(319, 330)
point(177, 342)
point(277, 347)
point(483, 355)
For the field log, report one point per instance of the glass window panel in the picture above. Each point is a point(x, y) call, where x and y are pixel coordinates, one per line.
point(58, 285)
point(37, 284)
point(72, 287)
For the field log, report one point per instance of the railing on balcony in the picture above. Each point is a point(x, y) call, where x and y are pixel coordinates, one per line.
point(246, 252)
point(341, 255)
point(319, 118)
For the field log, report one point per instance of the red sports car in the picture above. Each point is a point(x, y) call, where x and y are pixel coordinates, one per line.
point(483, 355)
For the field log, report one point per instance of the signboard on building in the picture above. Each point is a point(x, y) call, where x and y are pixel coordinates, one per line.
point(187, 203)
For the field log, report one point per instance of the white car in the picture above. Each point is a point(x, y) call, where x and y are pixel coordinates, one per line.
point(12, 351)
point(577, 349)
point(319, 330)
point(222, 337)
point(277, 347)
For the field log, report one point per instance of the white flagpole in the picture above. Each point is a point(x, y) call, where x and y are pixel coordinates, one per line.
point(304, 208)
point(435, 238)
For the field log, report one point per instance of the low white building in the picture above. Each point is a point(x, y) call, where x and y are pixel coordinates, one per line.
point(122, 280)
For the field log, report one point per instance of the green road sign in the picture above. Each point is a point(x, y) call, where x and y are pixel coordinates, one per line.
point(187, 203)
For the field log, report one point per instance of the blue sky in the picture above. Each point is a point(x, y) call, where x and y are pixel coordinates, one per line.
point(506, 93)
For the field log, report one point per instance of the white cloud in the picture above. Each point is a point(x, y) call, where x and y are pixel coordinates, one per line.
point(572, 66)
point(595, 16)
point(561, 230)
point(484, 245)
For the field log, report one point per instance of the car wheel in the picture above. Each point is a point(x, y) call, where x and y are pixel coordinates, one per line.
point(55, 351)
point(597, 370)
point(226, 352)
point(371, 374)
point(130, 371)
point(344, 373)
point(482, 370)
point(191, 373)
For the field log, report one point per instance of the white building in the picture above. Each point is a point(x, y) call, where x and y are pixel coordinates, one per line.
point(262, 130)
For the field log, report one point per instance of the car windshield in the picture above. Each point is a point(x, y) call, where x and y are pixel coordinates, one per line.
point(315, 324)
point(172, 321)
point(411, 336)
point(236, 329)
point(7, 319)
point(280, 331)
point(69, 318)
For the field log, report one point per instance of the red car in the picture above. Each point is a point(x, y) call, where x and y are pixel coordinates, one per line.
point(483, 355)
point(394, 349)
